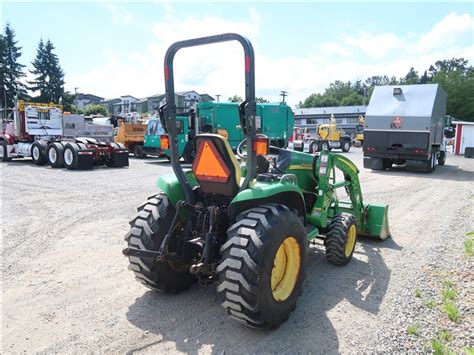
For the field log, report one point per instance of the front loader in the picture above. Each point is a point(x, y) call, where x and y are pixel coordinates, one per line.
point(246, 228)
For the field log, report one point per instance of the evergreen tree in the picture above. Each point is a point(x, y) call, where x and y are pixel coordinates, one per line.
point(11, 70)
point(3, 72)
point(49, 77)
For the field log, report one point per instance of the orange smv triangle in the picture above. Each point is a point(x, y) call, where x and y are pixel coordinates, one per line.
point(209, 165)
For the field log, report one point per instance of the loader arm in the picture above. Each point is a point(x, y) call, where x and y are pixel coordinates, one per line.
point(325, 171)
point(351, 176)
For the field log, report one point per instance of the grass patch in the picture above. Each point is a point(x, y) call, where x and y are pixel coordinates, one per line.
point(430, 304)
point(439, 348)
point(468, 246)
point(452, 311)
point(449, 294)
point(413, 329)
point(418, 293)
point(469, 350)
point(470, 234)
point(444, 336)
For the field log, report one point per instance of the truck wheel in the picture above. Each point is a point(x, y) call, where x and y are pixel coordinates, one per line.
point(386, 164)
point(148, 229)
point(138, 152)
point(37, 154)
point(4, 152)
point(188, 156)
point(431, 163)
point(345, 146)
point(70, 156)
point(314, 147)
point(324, 146)
point(442, 158)
point(55, 155)
point(341, 239)
point(263, 266)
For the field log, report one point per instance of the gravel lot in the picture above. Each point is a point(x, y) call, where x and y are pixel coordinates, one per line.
point(66, 287)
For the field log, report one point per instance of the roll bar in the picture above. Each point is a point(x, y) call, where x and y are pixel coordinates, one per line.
point(248, 107)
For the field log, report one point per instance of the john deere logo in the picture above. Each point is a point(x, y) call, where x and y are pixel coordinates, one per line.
point(396, 122)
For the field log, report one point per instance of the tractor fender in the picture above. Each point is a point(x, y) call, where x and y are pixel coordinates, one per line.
point(170, 185)
point(260, 193)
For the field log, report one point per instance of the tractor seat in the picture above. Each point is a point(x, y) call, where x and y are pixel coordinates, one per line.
point(215, 166)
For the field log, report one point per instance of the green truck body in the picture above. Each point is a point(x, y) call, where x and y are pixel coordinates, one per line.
point(275, 120)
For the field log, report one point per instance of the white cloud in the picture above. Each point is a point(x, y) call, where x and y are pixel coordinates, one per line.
point(448, 31)
point(218, 69)
point(119, 15)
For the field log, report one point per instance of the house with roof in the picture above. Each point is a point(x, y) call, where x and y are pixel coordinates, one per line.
point(84, 100)
point(185, 100)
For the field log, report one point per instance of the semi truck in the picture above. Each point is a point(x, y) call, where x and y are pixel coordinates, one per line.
point(275, 120)
point(40, 131)
point(405, 124)
point(327, 136)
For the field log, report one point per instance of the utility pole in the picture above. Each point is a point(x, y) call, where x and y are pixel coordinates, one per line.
point(75, 98)
point(218, 96)
point(283, 94)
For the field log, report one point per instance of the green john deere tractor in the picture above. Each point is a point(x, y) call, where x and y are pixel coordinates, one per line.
point(246, 228)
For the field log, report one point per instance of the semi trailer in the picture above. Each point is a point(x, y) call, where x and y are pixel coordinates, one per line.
point(42, 132)
point(405, 124)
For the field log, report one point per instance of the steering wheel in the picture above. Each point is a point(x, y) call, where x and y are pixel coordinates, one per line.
point(240, 151)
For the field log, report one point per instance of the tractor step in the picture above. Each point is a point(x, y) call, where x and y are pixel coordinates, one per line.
point(145, 254)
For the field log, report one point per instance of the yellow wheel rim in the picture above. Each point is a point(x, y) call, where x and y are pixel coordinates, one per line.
point(351, 240)
point(286, 268)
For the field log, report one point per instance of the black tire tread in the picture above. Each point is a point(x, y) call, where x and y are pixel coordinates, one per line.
point(336, 237)
point(147, 231)
point(242, 261)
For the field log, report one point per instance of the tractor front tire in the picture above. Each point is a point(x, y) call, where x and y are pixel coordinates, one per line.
point(341, 239)
point(263, 266)
point(148, 229)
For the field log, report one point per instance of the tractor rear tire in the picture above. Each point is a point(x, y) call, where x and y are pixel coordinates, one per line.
point(341, 239)
point(148, 229)
point(261, 236)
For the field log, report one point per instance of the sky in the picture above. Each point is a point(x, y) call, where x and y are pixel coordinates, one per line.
point(117, 48)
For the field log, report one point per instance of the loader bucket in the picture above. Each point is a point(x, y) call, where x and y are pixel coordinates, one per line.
point(376, 222)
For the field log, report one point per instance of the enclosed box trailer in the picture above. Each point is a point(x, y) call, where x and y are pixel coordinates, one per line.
point(404, 124)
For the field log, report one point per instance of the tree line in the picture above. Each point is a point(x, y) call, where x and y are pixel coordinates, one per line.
point(455, 76)
point(47, 83)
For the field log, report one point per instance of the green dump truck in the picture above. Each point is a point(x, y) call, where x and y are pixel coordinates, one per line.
point(275, 120)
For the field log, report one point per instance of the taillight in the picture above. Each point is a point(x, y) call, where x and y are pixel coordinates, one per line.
point(419, 151)
point(260, 145)
point(164, 142)
point(371, 149)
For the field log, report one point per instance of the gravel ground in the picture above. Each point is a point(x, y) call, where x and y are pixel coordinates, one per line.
point(66, 287)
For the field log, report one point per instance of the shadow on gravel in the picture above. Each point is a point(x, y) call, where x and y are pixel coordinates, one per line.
point(194, 318)
point(446, 172)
